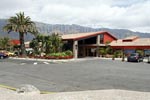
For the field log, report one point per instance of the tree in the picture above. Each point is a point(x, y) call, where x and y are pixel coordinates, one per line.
point(48, 45)
point(35, 45)
point(108, 49)
point(23, 25)
point(41, 39)
point(102, 51)
point(4, 43)
point(56, 43)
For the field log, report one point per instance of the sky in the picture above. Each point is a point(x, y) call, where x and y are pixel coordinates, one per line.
point(117, 14)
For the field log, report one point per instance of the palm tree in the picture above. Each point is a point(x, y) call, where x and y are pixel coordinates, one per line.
point(23, 25)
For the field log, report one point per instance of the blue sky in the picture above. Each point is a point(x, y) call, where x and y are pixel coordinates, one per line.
point(125, 14)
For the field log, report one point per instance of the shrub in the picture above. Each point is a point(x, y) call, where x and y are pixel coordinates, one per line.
point(117, 54)
point(140, 52)
point(59, 54)
point(68, 52)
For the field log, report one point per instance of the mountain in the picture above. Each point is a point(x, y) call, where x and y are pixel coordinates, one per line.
point(47, 29)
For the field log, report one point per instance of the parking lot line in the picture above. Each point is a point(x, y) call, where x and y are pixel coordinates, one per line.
point(45, 62)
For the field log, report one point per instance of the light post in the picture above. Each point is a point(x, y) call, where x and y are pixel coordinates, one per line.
point(123, 56)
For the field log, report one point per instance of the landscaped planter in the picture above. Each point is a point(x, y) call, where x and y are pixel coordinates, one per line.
point(48, 57)
point(70, 57)
point(36, 56)
point(20, 56)
point(60, 57)
point(31, 56)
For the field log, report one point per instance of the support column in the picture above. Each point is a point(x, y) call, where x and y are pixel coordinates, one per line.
point(113, 57)
point(123, 55)
point(84, 49)
point(75, 49)
point(98, 43)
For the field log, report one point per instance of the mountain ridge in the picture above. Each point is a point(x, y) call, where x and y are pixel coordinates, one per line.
point(47, 29)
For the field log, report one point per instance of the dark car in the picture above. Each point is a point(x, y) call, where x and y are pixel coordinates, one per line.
point(3, 55)
point(135, 57)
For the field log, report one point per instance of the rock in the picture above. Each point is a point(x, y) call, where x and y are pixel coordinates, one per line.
point(27, 89)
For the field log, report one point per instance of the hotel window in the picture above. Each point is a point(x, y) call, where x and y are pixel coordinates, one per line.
point(101, 38)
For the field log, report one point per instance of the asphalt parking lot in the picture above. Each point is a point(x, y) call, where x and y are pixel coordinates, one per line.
point(96, 74)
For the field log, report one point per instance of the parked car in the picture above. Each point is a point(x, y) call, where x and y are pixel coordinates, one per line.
point(135, 57)
point(7, 53)
point(10, 53)
point(3, 55)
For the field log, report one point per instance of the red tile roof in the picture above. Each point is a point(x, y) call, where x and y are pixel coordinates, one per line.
point(15, 42)
point(137, 42)
point(79, 36)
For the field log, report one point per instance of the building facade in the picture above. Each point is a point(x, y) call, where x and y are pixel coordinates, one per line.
point(132, 44)
point(87, 44)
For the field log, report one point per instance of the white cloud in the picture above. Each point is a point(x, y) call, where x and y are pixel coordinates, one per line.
point(128, 14)
point(134, 17)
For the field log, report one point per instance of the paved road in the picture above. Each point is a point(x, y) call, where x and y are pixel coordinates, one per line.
point(88, 74)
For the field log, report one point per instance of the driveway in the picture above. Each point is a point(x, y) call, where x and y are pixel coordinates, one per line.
point(89, 74)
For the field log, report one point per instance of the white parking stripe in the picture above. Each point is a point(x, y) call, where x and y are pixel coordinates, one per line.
point(22, 63)
point(45, 62)
point(35, 63)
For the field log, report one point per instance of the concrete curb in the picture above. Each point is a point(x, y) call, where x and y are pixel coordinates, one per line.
point(46, 60)
point(14, 89)
point(8, 87)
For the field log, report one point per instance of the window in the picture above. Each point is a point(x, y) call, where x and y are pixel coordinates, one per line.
point(101, 38)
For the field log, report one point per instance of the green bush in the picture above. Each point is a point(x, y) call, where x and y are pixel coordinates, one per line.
point(68, 52)
point(61, 54)
point(117, 54)
point(140, 52)
point(102, 51)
